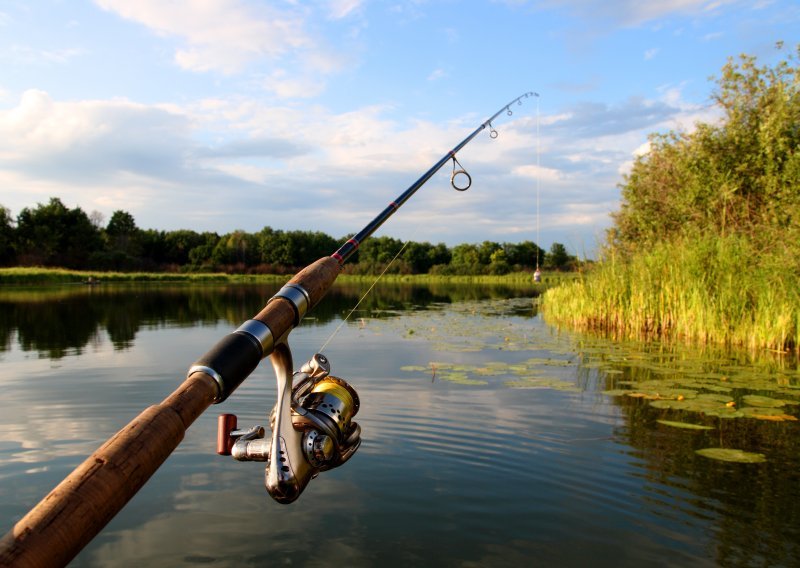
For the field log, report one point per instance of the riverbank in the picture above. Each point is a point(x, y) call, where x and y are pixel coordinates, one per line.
point(713, 290)
point(40, 276)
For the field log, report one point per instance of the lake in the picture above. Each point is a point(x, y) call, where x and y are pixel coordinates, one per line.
point(489, 437)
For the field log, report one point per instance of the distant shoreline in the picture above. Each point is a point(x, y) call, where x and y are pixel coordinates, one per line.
point(42, 276)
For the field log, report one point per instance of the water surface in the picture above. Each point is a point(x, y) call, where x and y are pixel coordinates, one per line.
point(489, 438)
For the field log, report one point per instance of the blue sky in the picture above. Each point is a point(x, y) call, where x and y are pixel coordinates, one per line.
point(229, 114)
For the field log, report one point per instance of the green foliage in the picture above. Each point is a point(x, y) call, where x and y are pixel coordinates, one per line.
point(707, 289)
point(706, 245)
point(739, 176)
point(122, 232)
point(524, 254)
point(421, 257)
point(558, 257)
point(8, 250)
point(237, 248)
point(53, 235)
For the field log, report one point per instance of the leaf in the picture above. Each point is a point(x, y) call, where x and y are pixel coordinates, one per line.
point(731, 455)
point(684, 425)
point(774, 417)
point(616, 392)
point(763, 401)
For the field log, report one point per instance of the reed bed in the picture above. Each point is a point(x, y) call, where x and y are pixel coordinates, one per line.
point(709, 290)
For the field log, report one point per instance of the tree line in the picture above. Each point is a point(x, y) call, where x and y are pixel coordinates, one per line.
point(54, 235)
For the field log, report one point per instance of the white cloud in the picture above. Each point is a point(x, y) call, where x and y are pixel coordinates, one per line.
point(30, 56)
point(220, 35)
point(537, 172)
point(437, 74)
point(39, 128)
point(338, 9)
point(282, 84)
point(636, 12)
point(713, 36)
point(221, 164)
point(642, 150)
point(650, 53)
point(231, 36)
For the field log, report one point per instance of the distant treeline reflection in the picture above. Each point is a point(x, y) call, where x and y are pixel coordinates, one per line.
point(60, 321)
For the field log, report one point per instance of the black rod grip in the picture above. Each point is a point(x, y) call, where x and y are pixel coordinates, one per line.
point(233, 358)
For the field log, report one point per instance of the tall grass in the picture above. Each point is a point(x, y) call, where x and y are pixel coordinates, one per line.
point(707, 290)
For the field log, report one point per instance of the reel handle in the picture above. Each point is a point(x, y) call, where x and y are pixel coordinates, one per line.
point(226, 423)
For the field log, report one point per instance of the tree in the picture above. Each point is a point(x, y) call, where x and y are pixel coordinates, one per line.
point(485, 251)
point(54, 235)
point(7, 238)
point(236, 248)
point(498, 263)
point(201, 256)
point(465, 259)
point(377, 252)
point(178, 244)
point(419, 256)
point(123, 234)
point(736, 177)
point(558, 256)
point(524, 254)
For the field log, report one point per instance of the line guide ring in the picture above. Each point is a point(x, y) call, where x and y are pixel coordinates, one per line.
point(459, 172)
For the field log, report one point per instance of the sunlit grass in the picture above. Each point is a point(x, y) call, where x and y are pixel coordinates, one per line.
point(36, 275)
point(712, 290)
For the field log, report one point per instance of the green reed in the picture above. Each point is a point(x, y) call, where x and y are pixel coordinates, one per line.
point(707, 290)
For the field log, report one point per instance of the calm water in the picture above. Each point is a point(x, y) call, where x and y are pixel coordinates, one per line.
point(489, 438)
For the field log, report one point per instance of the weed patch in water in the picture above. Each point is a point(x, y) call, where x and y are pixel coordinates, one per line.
point(684, 425)
point(731, 455)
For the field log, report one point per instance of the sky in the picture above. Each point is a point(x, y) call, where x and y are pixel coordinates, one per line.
point(223, 115)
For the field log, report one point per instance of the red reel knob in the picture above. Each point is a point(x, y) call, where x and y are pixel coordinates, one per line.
point(226, 423)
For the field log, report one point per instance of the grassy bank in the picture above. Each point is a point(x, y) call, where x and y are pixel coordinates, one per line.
point(706, 290)
point(34, 275)
point(39, 276)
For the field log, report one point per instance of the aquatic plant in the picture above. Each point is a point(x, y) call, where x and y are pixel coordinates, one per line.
point(694, 291)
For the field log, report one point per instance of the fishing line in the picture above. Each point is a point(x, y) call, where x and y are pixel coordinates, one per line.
point(538, 177)
point(344, 321)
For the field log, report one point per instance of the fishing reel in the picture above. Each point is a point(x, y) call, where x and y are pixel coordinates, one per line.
point(312, 427)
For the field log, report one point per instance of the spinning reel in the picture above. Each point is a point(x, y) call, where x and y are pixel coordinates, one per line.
point(312, 427)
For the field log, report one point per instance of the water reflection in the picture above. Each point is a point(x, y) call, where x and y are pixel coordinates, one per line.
point(56, 322)
point(505, 452)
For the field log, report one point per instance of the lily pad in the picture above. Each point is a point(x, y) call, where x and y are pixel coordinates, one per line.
point(774, 417)
point(461, 379)
point(542, 383)
point(616, 392)
point(684, 425)
point(762, 401)
point(732, 455)
point(414, 368)
point(772, 414)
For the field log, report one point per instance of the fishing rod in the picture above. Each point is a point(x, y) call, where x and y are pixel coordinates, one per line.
point(312, 421)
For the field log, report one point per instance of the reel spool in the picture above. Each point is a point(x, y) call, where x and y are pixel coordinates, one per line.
point(316, 434)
